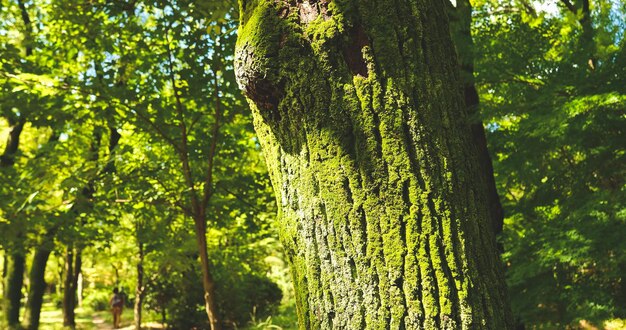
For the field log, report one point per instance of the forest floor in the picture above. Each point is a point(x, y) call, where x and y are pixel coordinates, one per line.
point(52, 319)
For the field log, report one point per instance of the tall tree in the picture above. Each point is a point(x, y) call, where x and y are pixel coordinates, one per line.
point(15, 266)
point(460, 14)
point(382, 209)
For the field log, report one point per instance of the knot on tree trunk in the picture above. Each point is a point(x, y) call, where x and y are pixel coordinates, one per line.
point(260, 40)
point(254, 79)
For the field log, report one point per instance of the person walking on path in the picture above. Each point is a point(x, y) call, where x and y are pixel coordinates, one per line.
point(117, 305)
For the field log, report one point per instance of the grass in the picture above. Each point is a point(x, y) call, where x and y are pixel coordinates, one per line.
point(52, 318)
point(284, 319)
point(86, 319)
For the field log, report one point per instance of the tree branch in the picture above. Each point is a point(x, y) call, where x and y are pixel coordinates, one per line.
point(569, 6)
point(183, 154)
point(208, 182)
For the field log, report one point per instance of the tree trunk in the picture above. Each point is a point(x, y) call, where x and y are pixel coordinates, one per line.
point(68, 308)
point(73, 263)
point(461, 28)
point(73, 260)
point(587, 37)
point(15, 281)
point(587, 47)
point(16, 263)
point(38, 272)
point(5, 266)
point(139, 291)
point(37, 285)
point(14, 258)
point(13, 142)
point(382, 209)
point(207, 279)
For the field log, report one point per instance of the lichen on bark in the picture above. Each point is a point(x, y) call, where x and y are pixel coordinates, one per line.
point(358, 108)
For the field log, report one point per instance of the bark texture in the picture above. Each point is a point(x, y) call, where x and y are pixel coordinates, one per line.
point(461, 29)
point(383, 214)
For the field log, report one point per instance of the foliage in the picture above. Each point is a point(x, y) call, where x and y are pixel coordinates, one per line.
point(555, 115)
point(98, 300)
point(156, 73)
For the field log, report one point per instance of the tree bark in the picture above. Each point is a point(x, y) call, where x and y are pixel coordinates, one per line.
point(207, 279)
point(461, 28)
point(383, 213)
point(15, 281)
point(13, 142)
point(73, 265)
point(139, 290)
point(37, 285)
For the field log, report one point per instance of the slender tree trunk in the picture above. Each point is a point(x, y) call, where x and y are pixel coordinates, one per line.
point(5, 266)
point(619, 295)
point(13, 142)
point(37, 285)
point(16, 259)
point(38, 272)
point(139, 291)
point(15, 281)
point(207, 279)
point(199, 201)
point(587, 37)
point(68, 307)
point(461, 28)
point(587, 47)
point(383, 213)
point(73, 264)
point(78, 266)
point(74, 251)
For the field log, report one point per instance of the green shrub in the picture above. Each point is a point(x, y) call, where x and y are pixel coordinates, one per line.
point(239, 294)
point(98, 300)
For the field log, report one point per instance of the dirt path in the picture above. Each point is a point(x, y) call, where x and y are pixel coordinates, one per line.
point(101, 324)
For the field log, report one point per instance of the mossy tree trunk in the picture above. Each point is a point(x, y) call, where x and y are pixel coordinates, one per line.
point(383, 212)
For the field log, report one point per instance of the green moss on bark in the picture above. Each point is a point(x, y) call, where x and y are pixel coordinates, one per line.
point(362, 124)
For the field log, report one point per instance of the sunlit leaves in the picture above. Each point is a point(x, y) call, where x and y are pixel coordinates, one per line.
point(556, 129)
